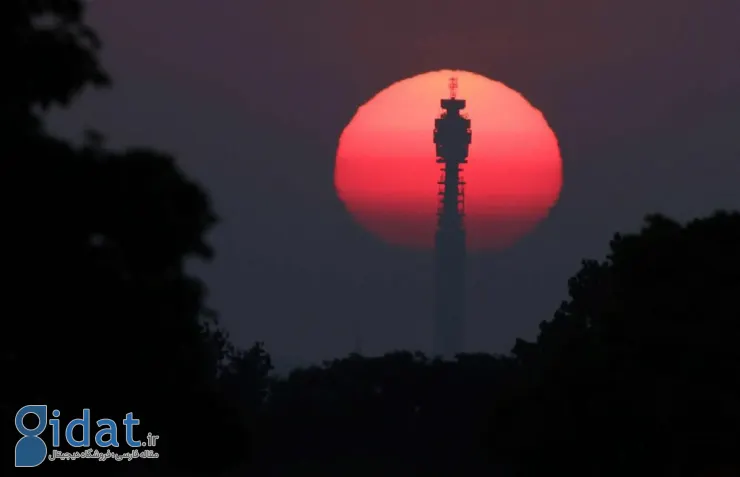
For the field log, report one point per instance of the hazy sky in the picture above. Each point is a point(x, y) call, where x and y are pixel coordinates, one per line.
point(644, 96)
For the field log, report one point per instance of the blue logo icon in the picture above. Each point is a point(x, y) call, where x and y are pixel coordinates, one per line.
point(31, 450)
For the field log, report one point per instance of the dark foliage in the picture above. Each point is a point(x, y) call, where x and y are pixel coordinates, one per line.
point(400, 414)
point(639, 372)
point(99, 311)
point(52, 57)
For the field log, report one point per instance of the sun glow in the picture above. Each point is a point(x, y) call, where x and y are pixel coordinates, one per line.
point(387, 176)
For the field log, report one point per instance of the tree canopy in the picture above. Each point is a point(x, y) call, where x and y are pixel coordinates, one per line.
point(638, 371)
point(104, 314)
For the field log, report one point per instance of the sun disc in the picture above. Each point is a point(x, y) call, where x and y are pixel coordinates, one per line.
point(386, 173)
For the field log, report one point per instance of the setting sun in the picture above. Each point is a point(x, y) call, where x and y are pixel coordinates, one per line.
point(387, 176)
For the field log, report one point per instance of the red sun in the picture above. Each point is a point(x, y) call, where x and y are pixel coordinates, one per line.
point(387, 176)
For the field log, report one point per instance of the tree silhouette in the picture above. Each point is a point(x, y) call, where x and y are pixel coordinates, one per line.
point(104, 315)
point(52, 58)
point(638, 371)
point(399, 414)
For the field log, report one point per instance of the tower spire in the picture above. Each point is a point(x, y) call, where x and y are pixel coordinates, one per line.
point(452, 136)
point(453, 87)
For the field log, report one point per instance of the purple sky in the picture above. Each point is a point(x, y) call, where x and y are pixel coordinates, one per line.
point(251, 96)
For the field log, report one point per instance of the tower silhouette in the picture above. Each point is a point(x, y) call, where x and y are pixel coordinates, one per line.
point(452, 136)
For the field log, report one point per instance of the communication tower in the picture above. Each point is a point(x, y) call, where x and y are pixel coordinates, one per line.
point(452, 136)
